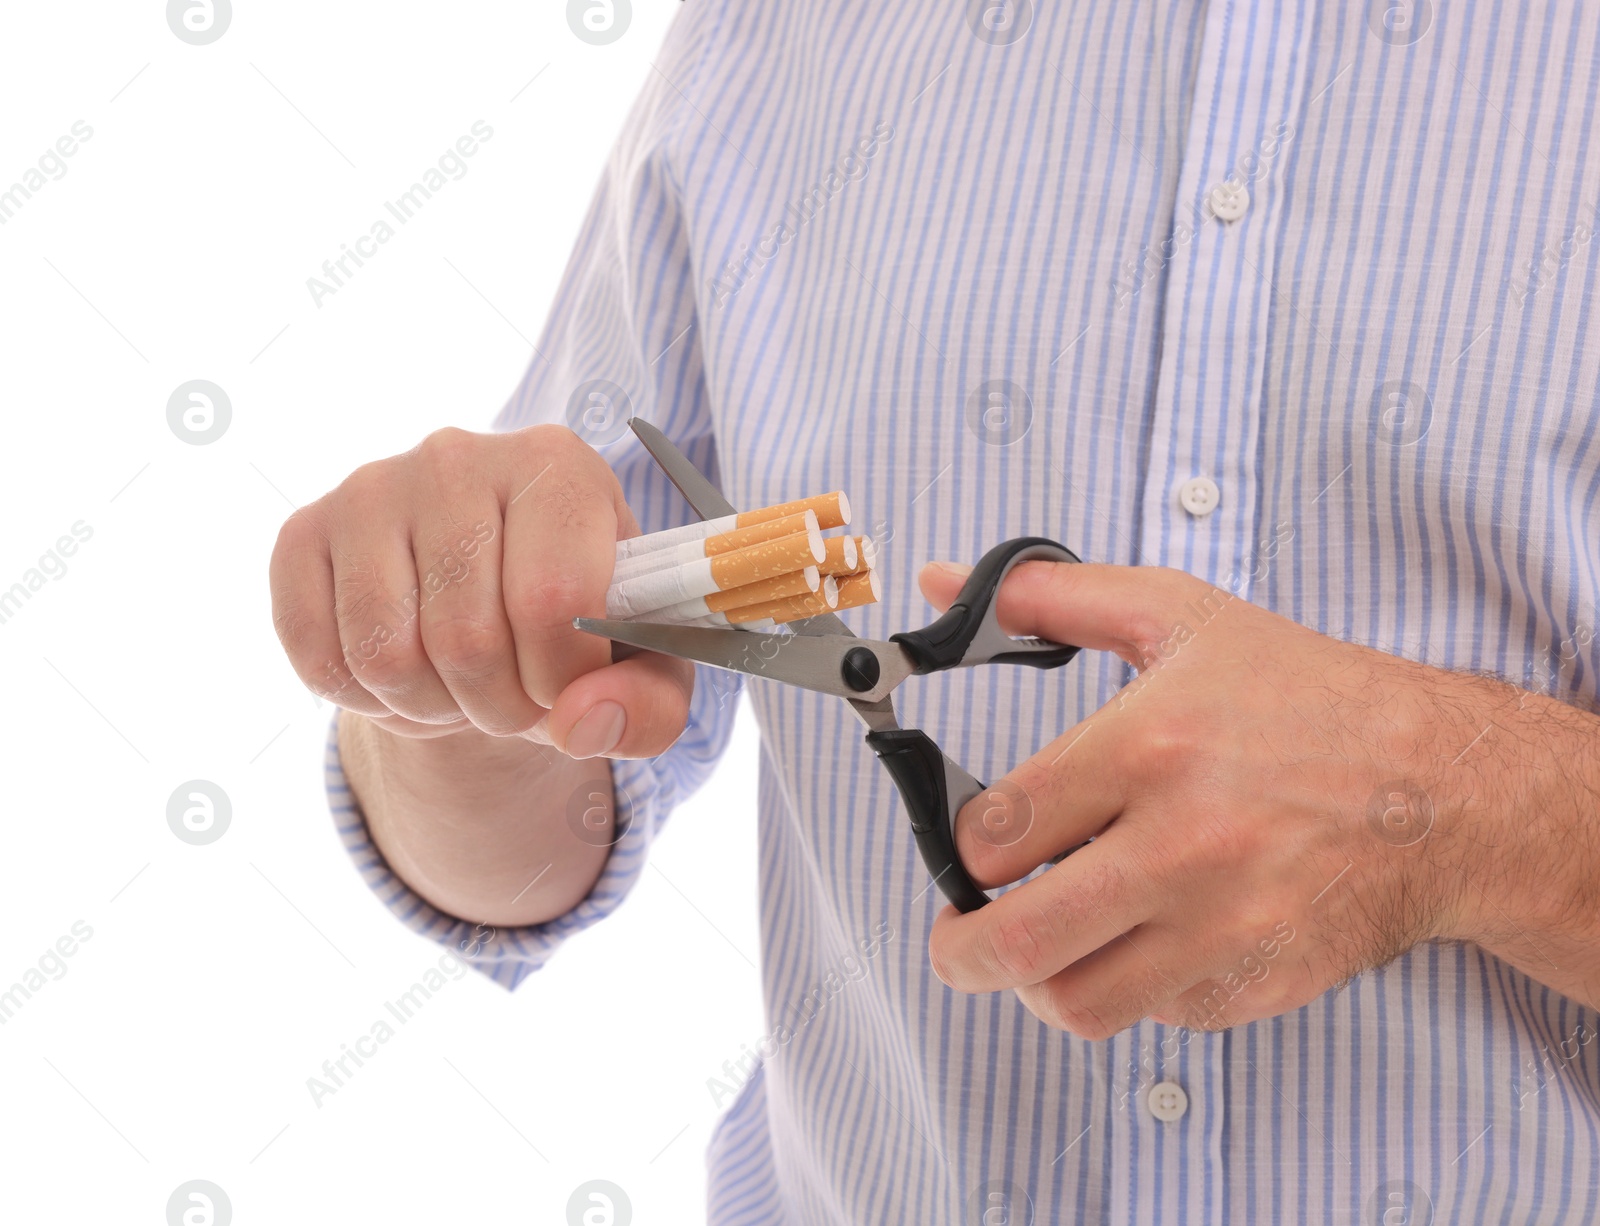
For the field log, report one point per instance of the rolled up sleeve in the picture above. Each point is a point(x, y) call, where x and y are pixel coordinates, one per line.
point(621, 341)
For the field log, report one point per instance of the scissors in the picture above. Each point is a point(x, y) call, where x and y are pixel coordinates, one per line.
point(823, 655)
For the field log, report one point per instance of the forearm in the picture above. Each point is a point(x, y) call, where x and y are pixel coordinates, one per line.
point(479, 825)
point(1535, 898)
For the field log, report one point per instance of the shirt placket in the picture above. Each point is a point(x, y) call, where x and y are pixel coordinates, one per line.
point(1200, 498)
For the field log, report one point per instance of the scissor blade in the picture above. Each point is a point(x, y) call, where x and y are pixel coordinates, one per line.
point(705, 498)
point(808, 661)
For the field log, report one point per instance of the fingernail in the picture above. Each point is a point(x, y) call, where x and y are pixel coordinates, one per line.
point(956, 570)
point(598, 731)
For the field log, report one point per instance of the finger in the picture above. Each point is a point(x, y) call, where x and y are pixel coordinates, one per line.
point(1119, 984)
point(1044, 925)
point(633, 709)
point(1049, 804)
point(399, 725)
point(301, 577)
point(465, 632)
point(1125, 609)
point(376, 599)
point(562, 518)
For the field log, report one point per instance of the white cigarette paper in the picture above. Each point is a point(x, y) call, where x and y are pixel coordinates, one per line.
point(689, 551)
point(634, 546)
point(646, 593)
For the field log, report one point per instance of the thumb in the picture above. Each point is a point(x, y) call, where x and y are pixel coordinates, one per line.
point(1094, 605)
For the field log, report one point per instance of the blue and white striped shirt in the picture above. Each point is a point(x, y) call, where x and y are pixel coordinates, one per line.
point(970, 262)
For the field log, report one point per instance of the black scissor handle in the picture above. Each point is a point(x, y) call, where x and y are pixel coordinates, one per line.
point(968, 633)
point(934, 789)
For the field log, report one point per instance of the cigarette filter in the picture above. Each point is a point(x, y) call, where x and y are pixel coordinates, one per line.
point(790, 608)
point(842, 556)
point(833, 511)
point(658, 589)
point(795, 583)
point(857, 590)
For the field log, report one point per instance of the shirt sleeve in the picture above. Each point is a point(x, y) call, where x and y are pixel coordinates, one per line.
point(622, 340)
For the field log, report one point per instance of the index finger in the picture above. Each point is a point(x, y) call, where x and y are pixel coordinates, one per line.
point(562, 518)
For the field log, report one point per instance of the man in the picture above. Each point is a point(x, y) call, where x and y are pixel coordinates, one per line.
point(1284, 318)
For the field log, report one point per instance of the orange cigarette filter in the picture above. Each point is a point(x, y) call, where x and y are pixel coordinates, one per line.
point(841, 556)
point(796, 583)
point(755, 534)
point(792, 608)
point(833, 511)
point(858, 590)
point(766, 560)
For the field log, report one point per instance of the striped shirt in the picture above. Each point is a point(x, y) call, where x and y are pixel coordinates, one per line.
point(1302, 298)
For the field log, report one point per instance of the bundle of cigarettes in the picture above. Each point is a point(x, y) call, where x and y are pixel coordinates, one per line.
point(752, 571)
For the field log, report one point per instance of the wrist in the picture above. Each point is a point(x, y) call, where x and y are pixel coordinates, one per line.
point(1531, 809)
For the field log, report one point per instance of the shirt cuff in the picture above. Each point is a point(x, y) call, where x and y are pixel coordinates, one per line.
point(508, 955)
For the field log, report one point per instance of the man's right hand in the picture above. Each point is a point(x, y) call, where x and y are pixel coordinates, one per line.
point(433, 592)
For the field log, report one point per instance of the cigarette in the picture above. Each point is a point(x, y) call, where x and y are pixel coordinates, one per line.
point(842, 556)
point(849, 592)
point(659, 589)
point(795, 583)
point(832, 510)
point(726, 542)
point(790, 608)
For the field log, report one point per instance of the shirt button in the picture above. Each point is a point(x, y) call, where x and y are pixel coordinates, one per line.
point(1168, 1101)
point(1199, 496)
point(1229, 200)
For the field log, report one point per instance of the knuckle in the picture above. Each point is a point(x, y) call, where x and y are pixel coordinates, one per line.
point(664, 721)
point(554, 439)
point(448, 449)
point(299, 628)
point(297, 534)
point(467, 647)
point(1088, 1022)
point(372, 483)
point(552, 598)
point(1015, 948)
point(1053, 1005)
point(357, 592)
point(381, 668)
point(940, 963)
point(1167, 745)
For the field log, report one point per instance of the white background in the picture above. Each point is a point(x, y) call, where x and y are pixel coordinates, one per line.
point(175, 247)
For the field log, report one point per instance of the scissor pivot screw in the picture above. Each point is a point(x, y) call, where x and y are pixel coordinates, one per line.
point(860, 669)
